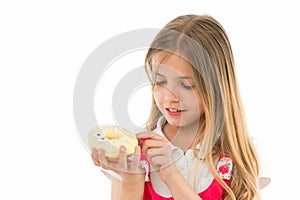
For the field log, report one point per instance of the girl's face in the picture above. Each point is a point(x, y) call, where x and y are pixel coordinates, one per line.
point(174, 91)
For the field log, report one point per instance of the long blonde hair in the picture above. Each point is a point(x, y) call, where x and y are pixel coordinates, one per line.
point(203, 42)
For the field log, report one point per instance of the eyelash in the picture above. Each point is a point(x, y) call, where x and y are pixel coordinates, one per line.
point(160, 82)
point(185, 86)
point(188, 87)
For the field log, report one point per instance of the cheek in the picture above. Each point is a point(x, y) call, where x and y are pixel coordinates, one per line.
point(157, 95)
point(193, 102)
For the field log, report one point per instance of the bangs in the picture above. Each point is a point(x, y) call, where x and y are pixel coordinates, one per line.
point(152, 65)
point(154, 60)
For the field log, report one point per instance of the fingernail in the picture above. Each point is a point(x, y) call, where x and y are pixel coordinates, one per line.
point(137, 149)
point(123, 148)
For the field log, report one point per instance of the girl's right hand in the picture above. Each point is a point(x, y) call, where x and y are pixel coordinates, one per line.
point(128, 170)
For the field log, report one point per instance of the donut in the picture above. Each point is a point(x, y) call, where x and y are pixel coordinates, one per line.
point(110, 138)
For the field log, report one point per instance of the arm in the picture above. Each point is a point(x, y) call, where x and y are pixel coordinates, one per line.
point(115, 188)
point(132, 184)
point(131, 191)
point(121, 190)
point(180, 188)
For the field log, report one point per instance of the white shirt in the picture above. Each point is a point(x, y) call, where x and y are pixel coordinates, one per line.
point(185, 163)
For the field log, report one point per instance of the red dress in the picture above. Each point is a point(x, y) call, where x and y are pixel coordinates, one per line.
point(214, 192)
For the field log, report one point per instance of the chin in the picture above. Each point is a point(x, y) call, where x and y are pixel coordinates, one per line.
point(174, 122)
point(182, 123)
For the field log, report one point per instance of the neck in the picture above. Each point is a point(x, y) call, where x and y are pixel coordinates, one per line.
point(181, 137)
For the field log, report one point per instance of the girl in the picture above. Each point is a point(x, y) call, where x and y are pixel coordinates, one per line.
point(197, 142)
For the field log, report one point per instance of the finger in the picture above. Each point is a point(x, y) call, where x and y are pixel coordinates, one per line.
point(155, 152)
point(160, 162)
point(96, 162)
point(101, 157)
point(147, 134)
point(95, 157)
point(137, 156)
point(155, 162)
point(123, 158)
point(155, 143)
point(94, 153)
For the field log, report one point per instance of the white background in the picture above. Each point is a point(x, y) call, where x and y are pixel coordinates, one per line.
point(44, 43)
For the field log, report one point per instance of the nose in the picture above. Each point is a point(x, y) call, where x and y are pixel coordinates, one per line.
point(171, 95)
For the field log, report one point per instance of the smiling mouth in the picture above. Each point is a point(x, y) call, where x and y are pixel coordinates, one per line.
point(173, 110)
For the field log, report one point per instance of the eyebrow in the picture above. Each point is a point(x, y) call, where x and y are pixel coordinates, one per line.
point(182, 77)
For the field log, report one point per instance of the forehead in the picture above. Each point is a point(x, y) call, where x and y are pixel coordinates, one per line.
point(166, 62)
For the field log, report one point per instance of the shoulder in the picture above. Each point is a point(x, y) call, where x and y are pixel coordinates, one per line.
point(225, 167)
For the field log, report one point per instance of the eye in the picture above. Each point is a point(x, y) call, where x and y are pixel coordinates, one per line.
point(98, 134)
point(188, 87)
point(160, 82)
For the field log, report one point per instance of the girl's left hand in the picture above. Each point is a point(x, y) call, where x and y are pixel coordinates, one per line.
point(158, 151)
point(130, 171)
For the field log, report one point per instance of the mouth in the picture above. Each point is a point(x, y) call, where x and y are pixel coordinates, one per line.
point(174, 111)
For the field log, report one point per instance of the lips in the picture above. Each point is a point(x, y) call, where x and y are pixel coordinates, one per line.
point(174, 112)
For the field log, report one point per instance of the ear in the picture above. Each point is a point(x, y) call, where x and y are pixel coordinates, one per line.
point(264, 182)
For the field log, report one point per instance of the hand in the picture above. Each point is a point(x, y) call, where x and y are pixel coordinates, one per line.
point(158, 151)
point(128, 170)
